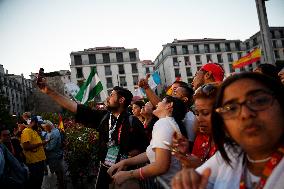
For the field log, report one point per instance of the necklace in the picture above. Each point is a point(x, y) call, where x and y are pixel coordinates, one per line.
point(259, 160)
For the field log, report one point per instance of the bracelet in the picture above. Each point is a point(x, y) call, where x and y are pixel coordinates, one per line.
point(141, 174)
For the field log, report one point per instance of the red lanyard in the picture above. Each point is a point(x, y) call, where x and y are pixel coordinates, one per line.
point(119, 133)
point(269, 167)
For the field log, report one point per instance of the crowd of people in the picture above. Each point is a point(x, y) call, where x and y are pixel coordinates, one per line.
point(215, 132)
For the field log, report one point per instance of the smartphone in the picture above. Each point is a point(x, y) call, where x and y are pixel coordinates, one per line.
point(39, 78)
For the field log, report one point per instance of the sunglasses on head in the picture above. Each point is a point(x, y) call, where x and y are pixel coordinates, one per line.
point(206, 89)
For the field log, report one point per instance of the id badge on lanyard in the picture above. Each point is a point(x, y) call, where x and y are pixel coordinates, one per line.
point(113, 150)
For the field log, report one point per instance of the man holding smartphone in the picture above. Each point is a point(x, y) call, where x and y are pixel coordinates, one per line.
point(120, 135)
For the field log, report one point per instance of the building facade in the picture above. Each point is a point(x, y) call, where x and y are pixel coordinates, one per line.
point(182, 58)
point(116, 66)
point(17, 90)
point(56, 80)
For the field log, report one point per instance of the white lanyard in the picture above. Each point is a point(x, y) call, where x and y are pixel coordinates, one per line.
point(111, 128)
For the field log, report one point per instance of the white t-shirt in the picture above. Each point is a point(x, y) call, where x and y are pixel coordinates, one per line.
point(163, 130)
point(224, 176)
point(188, 123)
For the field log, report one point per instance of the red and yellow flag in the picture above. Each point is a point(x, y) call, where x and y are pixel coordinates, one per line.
point(249, 58)
point(60, 124)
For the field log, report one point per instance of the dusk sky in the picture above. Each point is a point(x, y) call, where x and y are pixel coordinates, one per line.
point(43, 33)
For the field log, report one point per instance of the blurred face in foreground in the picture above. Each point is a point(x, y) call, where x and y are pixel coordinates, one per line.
point(252, 116)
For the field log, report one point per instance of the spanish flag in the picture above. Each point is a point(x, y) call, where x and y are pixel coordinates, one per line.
point(250, 58)
point(60, 124)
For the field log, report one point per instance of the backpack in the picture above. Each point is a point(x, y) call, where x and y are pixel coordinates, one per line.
point(15, 173)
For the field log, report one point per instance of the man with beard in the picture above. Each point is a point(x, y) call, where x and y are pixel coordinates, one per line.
point(208, 73)
point(120, 136)
point(34, 153)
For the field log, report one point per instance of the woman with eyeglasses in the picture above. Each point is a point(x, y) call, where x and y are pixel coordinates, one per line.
point(204, 146)
point(248, 129)
point(170, 111)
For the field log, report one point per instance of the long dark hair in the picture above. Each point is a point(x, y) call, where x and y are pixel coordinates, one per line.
point(179, 111)
point(218, 126)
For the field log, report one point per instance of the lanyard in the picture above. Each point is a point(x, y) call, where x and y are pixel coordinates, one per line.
point(112, 127)
point(270, 165)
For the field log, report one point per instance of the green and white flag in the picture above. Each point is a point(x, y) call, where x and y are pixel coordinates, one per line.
point(92, 87)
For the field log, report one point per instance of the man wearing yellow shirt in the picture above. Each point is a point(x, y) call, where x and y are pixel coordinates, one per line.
point(34, 153)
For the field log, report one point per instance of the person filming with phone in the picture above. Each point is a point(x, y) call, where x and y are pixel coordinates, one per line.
point(120, 135)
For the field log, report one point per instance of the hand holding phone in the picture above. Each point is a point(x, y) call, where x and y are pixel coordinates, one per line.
point(39, 78)
point(175, 149)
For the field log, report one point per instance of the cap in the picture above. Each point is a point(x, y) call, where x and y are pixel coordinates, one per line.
point(47, 122)
point(216, 69)
point(37, 119)
point(34, 119)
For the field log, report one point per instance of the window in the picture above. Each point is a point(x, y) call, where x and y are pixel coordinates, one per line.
point(247, 45)
point(175, 61)
point(217, 47)
point(135, 80)
point(197, 59)
point(230, 57)
point(79, 72)
point(208, 57)
point(227, 47)
point(238, 46)
point(239, 55)
point(254, 42)
point(78, 59)
point(195, 49)
point(272, 34)
point(184, 49)
point(122, 81)
point(206, 48)
point(132, 56)
point(134, 68)
point(109, 82)
point(186, 61)
point(106, 58)
point(282, 41)
point(281, 33)
point(219, 57)
point(147, 70)
point(119, 57)
point(188, 72)
point(173, 50)
point(92, 59)
point(121, 69)
point(276, 53)
point(274, 43)
point(177, 74)
point(107, 70)
point(231, 68)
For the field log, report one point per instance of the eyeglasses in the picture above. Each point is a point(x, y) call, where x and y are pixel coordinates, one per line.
point(206, 89)
point(258, 101)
